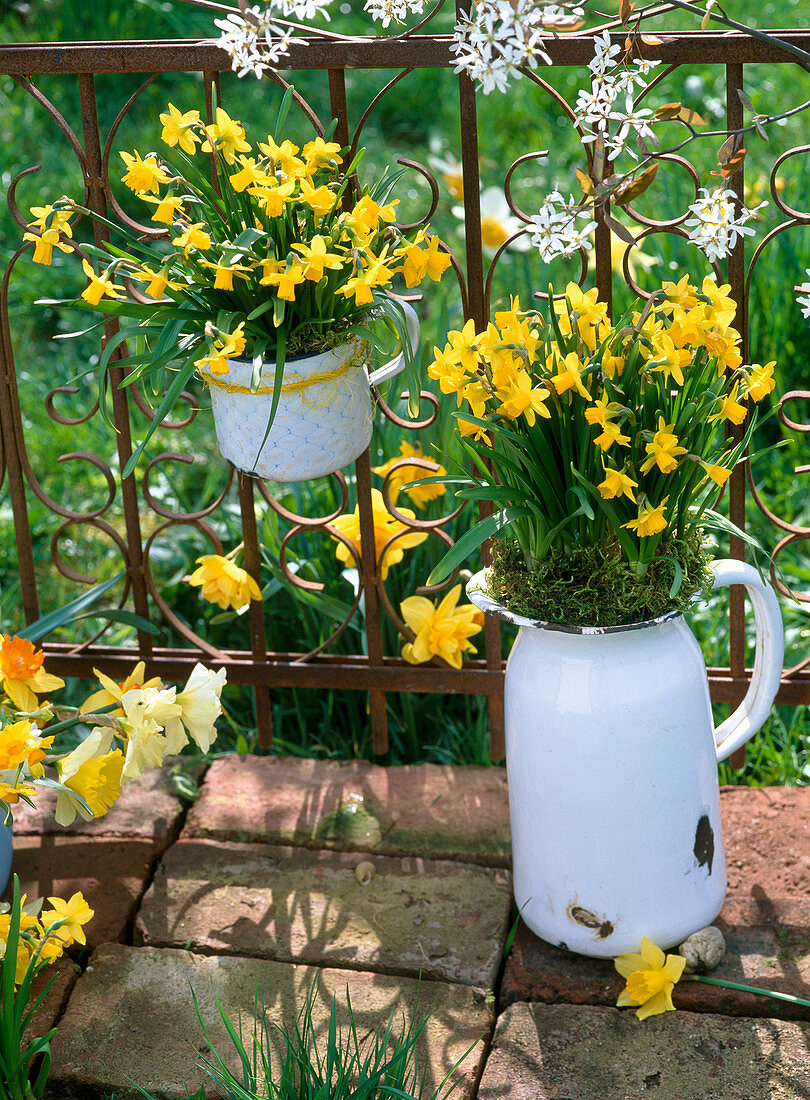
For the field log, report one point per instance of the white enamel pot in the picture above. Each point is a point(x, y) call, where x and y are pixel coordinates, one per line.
point(611, 758)
point(324, 415)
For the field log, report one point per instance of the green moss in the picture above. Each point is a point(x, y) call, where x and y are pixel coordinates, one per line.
point(595, 586)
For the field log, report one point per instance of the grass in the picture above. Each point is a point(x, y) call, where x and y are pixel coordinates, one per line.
point(335, 724)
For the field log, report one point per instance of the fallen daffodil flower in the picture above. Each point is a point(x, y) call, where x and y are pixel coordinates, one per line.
point(651, 976)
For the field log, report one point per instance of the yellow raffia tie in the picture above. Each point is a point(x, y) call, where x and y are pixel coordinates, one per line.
point(355, 359)
point(297, 386)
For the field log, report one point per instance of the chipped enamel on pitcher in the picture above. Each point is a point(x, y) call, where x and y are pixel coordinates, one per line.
point(324, 415)
point(612, 760)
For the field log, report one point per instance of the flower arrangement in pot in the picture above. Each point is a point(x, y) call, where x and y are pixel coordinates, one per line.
point(273, 266)
point(602, 447)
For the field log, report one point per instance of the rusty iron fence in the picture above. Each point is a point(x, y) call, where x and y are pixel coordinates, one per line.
point(146, 518)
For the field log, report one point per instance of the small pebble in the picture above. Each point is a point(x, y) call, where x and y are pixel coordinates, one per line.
point(703, 950)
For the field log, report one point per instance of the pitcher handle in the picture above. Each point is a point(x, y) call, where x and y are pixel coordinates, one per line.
point(756, 706)
point(395, 365)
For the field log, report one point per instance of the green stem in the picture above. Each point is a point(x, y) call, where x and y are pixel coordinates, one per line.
point(69, 723)
point(754, 989)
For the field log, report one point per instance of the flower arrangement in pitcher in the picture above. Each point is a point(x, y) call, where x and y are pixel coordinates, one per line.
point(271, 251)
point(133, 726)
point(603, 447)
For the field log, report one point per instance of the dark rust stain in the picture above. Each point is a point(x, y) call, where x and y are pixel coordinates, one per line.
point(587, 919)
point(704, 843)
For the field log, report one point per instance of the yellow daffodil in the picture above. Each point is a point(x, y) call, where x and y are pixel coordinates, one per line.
point(650, 978)
point(250, 174)
point(179, 129)
point(192, 236)
point(21, 744)
point(663, 450)
point(316, 257)
point(589, 311)
point(158, 281)
point(616, 484)
point(101, 286)
point(283, 158)
point(320, 200)
point(569, 376)
point(22, 674)
point(66, 918)
point(224, 583)
point(226, 135)
point(143, 175)
point(168, 209)
point(723, 307)
point(520, 398)
point(730, 408)
point(321, 154)
point(670, 360)
point(419, 494)
point(448, 371)
point(10, 793)
point(442, 631)
point(718, 474)
point(386, 527)
point(111, 691)
point(650, 520)
point(611, 433)
point(420, 262)
point(759, 380)
point(49, 224)
point(224, 273)
point(285, 281)
point(93, 772)
point(681, 295)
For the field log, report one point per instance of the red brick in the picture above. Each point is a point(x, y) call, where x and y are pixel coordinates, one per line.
point(767, 837)
point(146, 809)
point(568, 1052)
point(110, 872)
point(773, 957)
point(150, 1030)
point(442, 919)
point(424, 810)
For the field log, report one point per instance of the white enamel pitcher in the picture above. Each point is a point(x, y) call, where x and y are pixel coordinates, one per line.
point(611, 759)
point(324, 415)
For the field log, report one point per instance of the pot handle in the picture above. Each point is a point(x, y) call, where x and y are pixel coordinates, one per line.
point(395, 365)
point(756, 706)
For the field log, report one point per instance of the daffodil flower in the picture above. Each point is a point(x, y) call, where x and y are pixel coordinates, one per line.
point(441, 631)
point(386, 527)
point(650, 978)
point(224, 583)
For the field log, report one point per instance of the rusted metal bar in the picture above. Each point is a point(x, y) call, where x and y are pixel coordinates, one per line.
point(423, 51)
point(11, 427)
point(736, 485)
point(478, 309)
point(736, 277)
point(129, 493)
point(258, 644)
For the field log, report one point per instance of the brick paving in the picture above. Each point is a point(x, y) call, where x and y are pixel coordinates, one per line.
point(256, 883)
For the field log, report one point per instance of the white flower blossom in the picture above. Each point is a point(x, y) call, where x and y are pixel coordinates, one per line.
point(256, 40)
point(804, 288)
point(716, 225)
point(497, 39)
point(555, 228)
point(605, 54)
point(387, 11)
